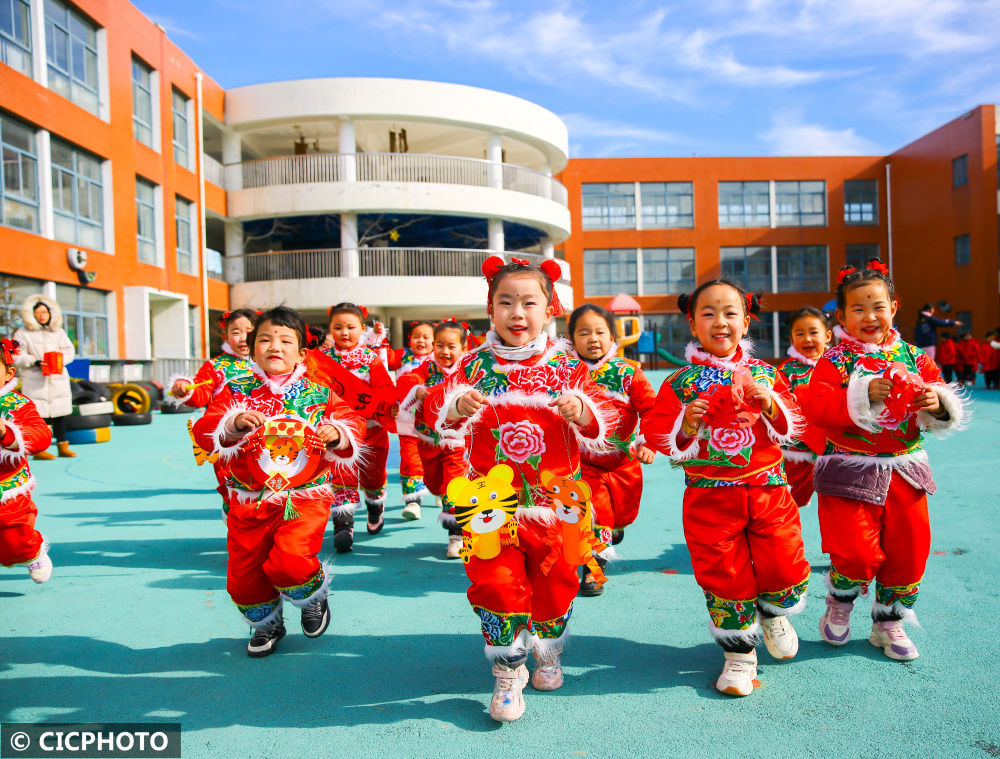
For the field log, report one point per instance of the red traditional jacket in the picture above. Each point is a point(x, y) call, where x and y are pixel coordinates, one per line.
point(411, 420)
point(989, 357)
point(297, 397)
point(967, 352)
point(211, 377)
point(855, 426)
point(403, 360)
point(946, 352)
point(25, 433)
point(630, 395)
point(723, 456)
point(517, 426)
point(359, 377)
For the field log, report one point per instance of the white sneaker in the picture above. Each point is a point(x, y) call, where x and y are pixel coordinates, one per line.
point(454, 546)
point(508, 701)
point(411, 510)
point(890, 637)
point(548, 675)
point(835, 625)
point(738, 674)
point(779, 637)
point(40, 570)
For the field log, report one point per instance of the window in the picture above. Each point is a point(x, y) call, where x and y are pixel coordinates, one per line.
point(966, 318)
point(18, 175)
point(960, 171)
point(667, 204)
point(861, 201)
point(192, 331)
point(858, 256)
point(15, 35)
point(762, 333)
point(800, 204)
point(180, 112)
point(744, 204)
point(85, 317)
point(667, 270)
point(801, 268)
point(607, 206)
point(609, 272)
point(749, 266)
point(963, 250)
point(182, 218)
point(71, 49)
point(145, 212)
point(671, 332)
point(142, 102)
point(77, 196)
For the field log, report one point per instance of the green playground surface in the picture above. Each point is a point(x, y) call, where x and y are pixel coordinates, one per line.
point(136, 626)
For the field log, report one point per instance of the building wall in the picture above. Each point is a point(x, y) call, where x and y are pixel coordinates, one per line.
point(127, 32)
point(928, 213)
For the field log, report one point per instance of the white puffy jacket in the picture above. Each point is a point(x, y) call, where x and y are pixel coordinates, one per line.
point(50, 394)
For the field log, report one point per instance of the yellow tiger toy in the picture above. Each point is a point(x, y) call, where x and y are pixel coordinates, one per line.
point(484, 509)
point(570, 499)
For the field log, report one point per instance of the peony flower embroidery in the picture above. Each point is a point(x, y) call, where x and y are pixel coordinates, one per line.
point(521, 442)
point(732, 442)
point(261, 400)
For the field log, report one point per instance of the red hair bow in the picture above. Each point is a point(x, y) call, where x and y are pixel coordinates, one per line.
point(10, 349)
point(876, 265)
point(222, 321)
point(364, 311)
point(750, 312)
point(491, 266)
point(845, 271)
point(520, 261)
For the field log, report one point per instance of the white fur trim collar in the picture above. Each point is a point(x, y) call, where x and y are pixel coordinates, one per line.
point(695, 354)
point(279, 388)
point(802, 357)
point(9, 387)
point(859, 346)
point(595, 365)
point(516, 352)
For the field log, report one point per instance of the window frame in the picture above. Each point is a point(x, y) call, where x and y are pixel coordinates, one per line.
point(587, 190)
point(744, 279)
point(673, 286)
point(180, 220)
point(22, 156)
point(74, 84)
point(137, 122)
point(960, 171)
point(11, 47)
point(185, 148)
point(822, 281)
point(855, 202)
point(787, 188)
point(745, 216)
point(866, 257)
point(77, 179)
point(963, 250)
point(140, 238)
point(670, 190)
point(75, 321)
point(589, 285)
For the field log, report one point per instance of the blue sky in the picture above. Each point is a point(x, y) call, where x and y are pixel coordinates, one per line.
point(636, 78)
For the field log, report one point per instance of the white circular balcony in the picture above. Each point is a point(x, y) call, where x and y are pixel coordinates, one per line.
point(382, 182)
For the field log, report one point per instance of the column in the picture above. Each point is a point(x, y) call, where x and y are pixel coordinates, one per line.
point(494, 154)
point(548, 249)
point(39, 55)
point(347, 148)
point(234, 263)
point(495, 235)
point(46, 222)
point(396, 332)
point(232, 159)
point(350, 263)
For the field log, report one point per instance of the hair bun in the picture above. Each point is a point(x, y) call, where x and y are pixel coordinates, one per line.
point(684, 303)
point(754, 304)
point(551, 268)
point(491, 266)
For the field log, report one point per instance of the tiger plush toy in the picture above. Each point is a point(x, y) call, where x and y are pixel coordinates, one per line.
point(484, 509)
point(570, 499)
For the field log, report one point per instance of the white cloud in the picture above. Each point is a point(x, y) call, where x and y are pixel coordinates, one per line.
point(789, 136)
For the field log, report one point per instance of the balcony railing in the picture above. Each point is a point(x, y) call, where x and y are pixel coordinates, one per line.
point(392, 167)
point(374, 262)
point(214, 171)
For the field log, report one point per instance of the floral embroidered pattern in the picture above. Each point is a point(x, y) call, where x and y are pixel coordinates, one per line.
point(255, 613)
point(733, 442)
point(552, 628)
point(502, 629)
point(412, 485)
point(306, 589)
point(845, 585)
point(727, 614)
point(523, 442)
point(345, 497)
point(904, 595)
point(787, 598)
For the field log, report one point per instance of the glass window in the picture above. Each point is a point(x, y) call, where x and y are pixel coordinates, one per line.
point(800, 204)
point(608, 206)
point(142, 102)
point(15, 35)
point(859, 255)
point(966, 318)
point(182, 219)
point(85, 318)
point(762, 334)
point(960, 171)
point(750, 266)
point(18, 175)
point(71, 49)
point(192, 334)
point(801, 268)
point(667, 204)
point(77, 196)
point(180, 114)
point(861, 201)
point(963, 250)
point(145, 212)
point(609, 272)
point(744, 204)
point(671, 332)
point(667, 270)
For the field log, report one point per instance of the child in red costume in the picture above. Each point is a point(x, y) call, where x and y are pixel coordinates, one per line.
point(411, 469)
point(989, 361)
point(723, 418)
point(874, 394)
point(356, 373)
point(441, 461)
point(810, 333)
point(946, 357)
point(967, 355)
point(524, 401)
point(281, 435)
point(615, 477)
point(23, 433)
point(234, 361)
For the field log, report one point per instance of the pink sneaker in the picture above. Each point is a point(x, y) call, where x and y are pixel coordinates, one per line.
point(548, 675)
point(508, 702)
point(835, 624)
point(892, 639)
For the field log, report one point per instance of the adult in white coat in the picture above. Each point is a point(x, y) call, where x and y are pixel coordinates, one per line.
point(43, 333)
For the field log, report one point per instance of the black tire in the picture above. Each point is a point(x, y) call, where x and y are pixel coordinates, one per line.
point(130, 398)
point(176, 408)
point(155, 393)
point(102, 391)
point(91, 422)
point(128, 420)
point(83, 397)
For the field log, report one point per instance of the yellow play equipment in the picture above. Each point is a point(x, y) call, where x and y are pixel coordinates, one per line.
point(628, 331)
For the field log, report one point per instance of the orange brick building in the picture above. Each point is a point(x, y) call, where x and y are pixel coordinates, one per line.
point(653, 227)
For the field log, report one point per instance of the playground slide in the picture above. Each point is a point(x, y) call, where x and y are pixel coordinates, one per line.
point(670, 357)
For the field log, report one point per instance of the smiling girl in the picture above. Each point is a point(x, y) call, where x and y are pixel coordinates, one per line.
point(521, 400)
point(875, 394)
point(723, 417)
point(275, 532)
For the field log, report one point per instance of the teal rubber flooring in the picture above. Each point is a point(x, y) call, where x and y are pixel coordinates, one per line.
point(136, 625)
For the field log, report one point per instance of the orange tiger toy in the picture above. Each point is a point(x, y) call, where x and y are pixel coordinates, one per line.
point(570, 500)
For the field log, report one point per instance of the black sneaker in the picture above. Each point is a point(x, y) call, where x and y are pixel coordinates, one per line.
point(617, 536)
point(343, 534)
point(376, 520)
point(265, 638)
point(315, 617)
point(588, 586)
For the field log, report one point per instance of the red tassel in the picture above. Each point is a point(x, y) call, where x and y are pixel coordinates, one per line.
point(845, 271)
point(10, 349)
